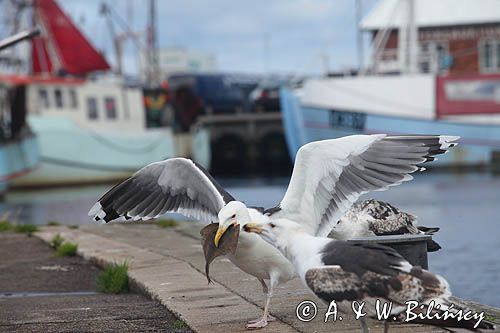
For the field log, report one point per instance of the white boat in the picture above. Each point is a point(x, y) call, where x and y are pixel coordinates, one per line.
point(335, 107)
point(428, 85)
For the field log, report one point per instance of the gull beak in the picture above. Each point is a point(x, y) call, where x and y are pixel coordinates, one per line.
point(220, 232)
point(252, 227)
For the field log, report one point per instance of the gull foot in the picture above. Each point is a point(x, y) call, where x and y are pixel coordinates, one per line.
point(269, 319)
point(258, 324)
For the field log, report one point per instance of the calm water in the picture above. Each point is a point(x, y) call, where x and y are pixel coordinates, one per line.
point(465, 206)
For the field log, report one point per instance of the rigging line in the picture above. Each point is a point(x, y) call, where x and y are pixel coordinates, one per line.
point(324, 46)
point(88, 166)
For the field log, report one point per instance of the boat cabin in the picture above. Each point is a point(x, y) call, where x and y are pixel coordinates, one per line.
point(100, 106)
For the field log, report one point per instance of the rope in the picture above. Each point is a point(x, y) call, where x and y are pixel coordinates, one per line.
point(146, 149)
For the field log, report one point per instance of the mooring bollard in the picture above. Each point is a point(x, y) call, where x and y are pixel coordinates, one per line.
point(412, 247)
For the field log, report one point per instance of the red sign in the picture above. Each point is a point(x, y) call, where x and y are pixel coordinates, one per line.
point(473, 94)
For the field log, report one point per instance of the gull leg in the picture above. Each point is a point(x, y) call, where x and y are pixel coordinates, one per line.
point(364, 326)
point(265, 290)
point(266, 317)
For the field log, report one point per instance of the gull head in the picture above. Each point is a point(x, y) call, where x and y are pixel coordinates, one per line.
point(343, 229)
point(276, 232)
point(234, 213)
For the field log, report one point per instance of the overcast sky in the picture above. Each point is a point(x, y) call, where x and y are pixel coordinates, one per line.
point(285, 36)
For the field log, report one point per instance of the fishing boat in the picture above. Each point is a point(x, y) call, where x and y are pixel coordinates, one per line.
point(18, 144)
point(92, 126)
point(417, 89)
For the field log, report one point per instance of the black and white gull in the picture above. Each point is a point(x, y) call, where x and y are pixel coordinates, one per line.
point(328, 177)
point(369, 218)
point(344, 272)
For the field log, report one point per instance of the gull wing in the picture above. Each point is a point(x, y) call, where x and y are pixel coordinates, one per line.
point(330, 175)
point(177, 185)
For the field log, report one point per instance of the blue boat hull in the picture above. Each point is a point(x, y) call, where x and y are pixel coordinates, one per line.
point(72, 155)
point(17, 158)
point(306, 124)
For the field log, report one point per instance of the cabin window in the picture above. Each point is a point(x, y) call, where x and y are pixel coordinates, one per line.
point(58, 98)
point(92, 111)
point(73, 99)
point(498, 55)
point(110, 105)
point(43, 97)
point(489, 56)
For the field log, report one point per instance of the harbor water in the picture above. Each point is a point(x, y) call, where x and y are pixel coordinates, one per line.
point(466, 206)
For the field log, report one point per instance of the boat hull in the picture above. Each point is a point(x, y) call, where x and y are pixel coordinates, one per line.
point(305, 124)
point(72, 155)
point(17, 157)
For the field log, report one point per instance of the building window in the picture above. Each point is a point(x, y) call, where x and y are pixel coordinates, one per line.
point(43, 98)
point(92, 111)
point(58, 98)
point(73, 99)
point(110, 106)
point(434, 57)
point(489, 56)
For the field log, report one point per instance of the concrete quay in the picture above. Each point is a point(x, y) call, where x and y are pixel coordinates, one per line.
point(41, 292)
point(168, 265)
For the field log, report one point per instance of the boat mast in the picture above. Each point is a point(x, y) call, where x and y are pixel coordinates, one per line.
point(408, 39)
point(153, 68)
point(359, 36)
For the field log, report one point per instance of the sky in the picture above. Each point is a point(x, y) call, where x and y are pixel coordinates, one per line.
point(258, 36)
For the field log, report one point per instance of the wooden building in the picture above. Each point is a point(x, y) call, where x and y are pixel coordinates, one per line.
point(455, 37)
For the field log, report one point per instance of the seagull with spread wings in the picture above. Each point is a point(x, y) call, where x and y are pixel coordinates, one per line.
point(328, 177)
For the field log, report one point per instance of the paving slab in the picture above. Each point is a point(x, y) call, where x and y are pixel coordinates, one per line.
point(168, 265)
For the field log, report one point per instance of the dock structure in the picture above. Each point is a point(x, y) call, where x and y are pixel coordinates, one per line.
point(249, 139)
point(168, 265)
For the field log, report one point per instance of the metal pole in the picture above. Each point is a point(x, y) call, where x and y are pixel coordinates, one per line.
point(412, 38)
point(359, 36)
point(19, 37)
point(153, 45)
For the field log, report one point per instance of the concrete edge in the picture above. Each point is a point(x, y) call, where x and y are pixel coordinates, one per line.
point(121, 251)
point(46, 234)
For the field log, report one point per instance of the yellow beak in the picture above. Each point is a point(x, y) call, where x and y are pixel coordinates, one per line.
point(252, 227)
point(220, 232)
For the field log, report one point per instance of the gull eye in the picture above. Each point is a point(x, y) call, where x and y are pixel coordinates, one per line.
point(234, 215)
point(272, 225)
